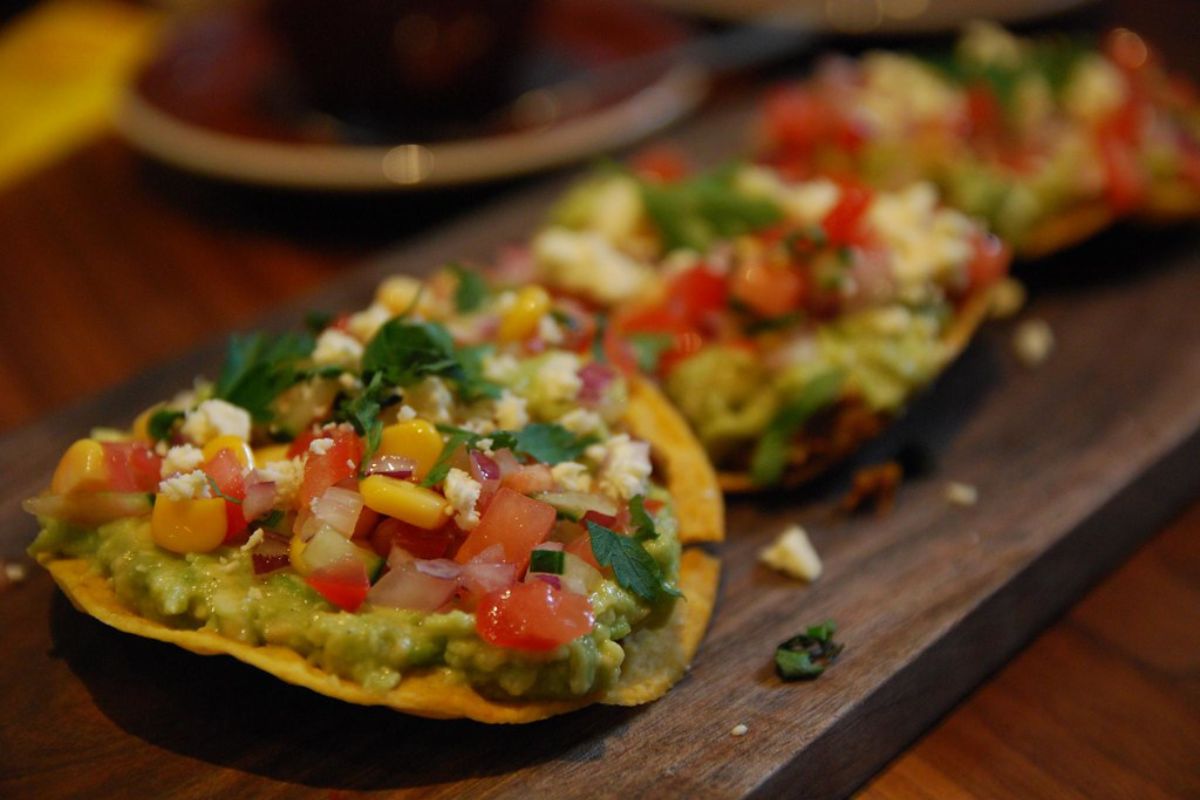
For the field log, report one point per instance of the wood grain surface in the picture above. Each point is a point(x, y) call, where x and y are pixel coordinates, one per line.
point(931, 600)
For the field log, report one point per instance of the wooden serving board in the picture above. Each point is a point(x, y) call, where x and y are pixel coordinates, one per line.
point(1075, 463)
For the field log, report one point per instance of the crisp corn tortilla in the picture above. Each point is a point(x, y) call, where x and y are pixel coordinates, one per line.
point(655, 658)
point(850, 422)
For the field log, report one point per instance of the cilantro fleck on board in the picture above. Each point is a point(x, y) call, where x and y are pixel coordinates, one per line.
point(806, 656)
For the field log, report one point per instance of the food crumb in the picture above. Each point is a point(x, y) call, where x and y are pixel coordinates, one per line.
point(1008, 297)
point(961, 494)
point(739, 730)
point(793, 554)
point(1033, 341)
point(254, 541)
point(15, 573)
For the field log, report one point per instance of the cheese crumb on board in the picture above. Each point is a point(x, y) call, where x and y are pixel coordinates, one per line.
point(961, 494)
point(1008, 297)
point(1033, 341)
point(741, 729)
point(793, 555)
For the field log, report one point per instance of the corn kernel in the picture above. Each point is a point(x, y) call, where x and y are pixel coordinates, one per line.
point(81, 469)
point(141, 425)
point(272, 452)
point(398, 293)
point(236, 444)
point(416, 439)
point(405, 501)
point(188, 526)
point(521, 320)
point(296, 555)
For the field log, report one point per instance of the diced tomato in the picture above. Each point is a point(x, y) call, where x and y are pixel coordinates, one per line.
point(685, 339)
point(516, 522)
point(529, 478)
point(229, 475)
point(661, 164)
point(1127, 50)
point(533, 616)
point(322, 470)
point(418, 541)
point(769, 291)
point(1124, 184)
point(795, 118)
point(843, 222)
point(990, 262)
point(983, 112)
point(696, 293)
point(345, 584)
point(582, 547)
point(132, 466)
point(300, 444)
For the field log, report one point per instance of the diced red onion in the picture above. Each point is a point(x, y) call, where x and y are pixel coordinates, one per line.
point(409, 588)
point(553, 580)
point(260, 498)
point(481, 578)
point(269, 562)
point(594, 379)
point(339, 509)
point(507, 462)
point(439, 567)
point(491, 554)
point(549, 546)
point(398, 557)
point(393, 466)
point(514, 264)
point(484, 467)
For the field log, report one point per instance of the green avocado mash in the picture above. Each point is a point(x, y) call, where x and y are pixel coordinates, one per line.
point(374, 646)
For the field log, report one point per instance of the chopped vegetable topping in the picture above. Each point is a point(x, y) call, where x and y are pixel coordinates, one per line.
point(806, 656)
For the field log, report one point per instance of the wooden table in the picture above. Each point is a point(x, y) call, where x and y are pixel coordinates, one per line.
point(111, 265)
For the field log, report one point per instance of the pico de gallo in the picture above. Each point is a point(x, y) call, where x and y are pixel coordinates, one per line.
point(440, 480)
point(1019, 132)
point(766, 306)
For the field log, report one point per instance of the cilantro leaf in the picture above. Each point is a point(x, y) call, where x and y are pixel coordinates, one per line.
point(806, 656)
point(648, 349)
point(259, 367)
point(316, 321)
point(404, 352)
point(643, 523)
point(693, 214)
point(362, 411)
point(437, 473)
point(634, 568)
point(212, 484)
point(162, 423)
point(771, 453)
point(472, 385)
point(472, 288)
point(549, 443)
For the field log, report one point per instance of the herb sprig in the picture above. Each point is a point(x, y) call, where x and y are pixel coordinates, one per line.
point(806, 656)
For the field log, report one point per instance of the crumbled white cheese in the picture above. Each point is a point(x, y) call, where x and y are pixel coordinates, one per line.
point(806, 202)
point(961, 494)
point(572, 476)
point(363, 325)
point(582, 422)
point(485, 446)
point(500, 367)
point(349, 382)
point(588, 264)
point(900, 92)
point(320, 446)
point(432, 399)
point(548, 330)
point(1032, 341)
point(927, 243)
point(254, 541)
point(254, 593)
point(626, 468)
point(989, 44)
point(463, 493)
point(181, 458)
point(511, 412)
point(1095, 89)
point(793, 555)
point(214, 418)
point(557, 379)
point(188, 486)
point(741, 729)
point(335, 348)
point(406, 413)
point(287, 476)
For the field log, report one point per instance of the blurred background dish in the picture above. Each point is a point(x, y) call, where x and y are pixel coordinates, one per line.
point(887, 17)
point(261, 98)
